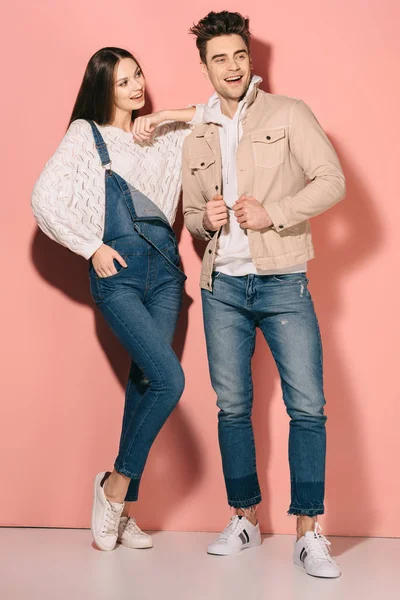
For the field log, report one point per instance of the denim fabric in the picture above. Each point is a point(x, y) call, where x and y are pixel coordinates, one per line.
point(281, 306)
point(141, 304)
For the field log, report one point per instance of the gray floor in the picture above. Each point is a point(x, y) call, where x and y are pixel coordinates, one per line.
point(60, 564)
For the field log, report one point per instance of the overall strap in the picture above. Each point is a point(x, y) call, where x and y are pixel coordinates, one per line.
point(100, 145)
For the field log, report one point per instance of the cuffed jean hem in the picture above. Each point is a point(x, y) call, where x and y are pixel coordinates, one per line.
point(244, 491)
point(307, 512)
point(307, 498)
point(245, 503)
point(133, 490)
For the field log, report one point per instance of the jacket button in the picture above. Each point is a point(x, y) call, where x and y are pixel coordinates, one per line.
point(280, 226)
point(216, 187)
point(268, 137)
point(202, 164)
point(210, 252)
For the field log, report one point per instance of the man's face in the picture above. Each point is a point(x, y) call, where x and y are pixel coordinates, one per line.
point(228, 66)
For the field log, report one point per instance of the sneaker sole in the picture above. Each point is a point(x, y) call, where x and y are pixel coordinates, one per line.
point(303, 568)
point(244, 547)
point(135, 547)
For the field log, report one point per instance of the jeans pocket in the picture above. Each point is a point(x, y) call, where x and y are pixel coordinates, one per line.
point(175, 270)
point(100, 287)
point(172, 253)
point(118, 267)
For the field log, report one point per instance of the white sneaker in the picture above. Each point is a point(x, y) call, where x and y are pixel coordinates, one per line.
point(237, 536)
point(312, 553)
point(105, 516)
point(130, 535)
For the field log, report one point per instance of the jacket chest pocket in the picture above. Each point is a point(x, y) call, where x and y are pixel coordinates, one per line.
point(203, 169)
point(268, 147)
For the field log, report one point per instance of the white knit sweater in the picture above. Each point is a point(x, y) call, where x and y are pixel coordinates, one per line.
point(68, 199)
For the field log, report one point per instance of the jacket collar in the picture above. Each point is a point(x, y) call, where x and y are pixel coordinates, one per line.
point(212, 111)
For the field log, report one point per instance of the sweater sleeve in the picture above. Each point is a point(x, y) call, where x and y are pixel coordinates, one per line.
point(61, 195)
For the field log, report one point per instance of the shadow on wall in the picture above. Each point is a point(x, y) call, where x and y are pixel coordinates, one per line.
point(177, 442)
point(348, 499)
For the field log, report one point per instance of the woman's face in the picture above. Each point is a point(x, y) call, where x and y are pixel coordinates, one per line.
point(129, 85)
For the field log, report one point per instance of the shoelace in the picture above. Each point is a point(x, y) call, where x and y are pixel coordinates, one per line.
point(317, 547)
point(131, 526)
point(111, 520)
point(231, 529)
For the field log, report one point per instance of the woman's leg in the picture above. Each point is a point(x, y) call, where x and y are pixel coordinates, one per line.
point(136, 387)
point(146, 332)
point(164, 306)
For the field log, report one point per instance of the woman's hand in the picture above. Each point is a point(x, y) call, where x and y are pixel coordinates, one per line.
point(143, 127)
point(103, 261)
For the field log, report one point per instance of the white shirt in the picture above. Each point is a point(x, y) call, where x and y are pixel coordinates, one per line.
point(68, 199)
point(233, 251)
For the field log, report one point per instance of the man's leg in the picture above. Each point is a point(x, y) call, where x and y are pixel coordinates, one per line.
point(289, 324)
point(230, 336)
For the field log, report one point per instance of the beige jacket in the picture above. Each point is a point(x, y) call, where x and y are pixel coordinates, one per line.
point(284, 160)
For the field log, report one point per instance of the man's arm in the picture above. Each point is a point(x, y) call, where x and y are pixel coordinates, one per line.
point(196, 209)
point(316, 155)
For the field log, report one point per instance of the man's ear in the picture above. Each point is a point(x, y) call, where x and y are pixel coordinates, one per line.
point(204, 70)
point(251, 63)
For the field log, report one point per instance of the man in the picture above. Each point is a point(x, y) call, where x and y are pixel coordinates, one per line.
point(253, 175)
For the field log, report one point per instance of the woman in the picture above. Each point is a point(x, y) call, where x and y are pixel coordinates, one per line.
point(88, 199)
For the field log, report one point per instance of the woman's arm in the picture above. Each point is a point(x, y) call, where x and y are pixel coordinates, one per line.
point(165, 148)
point(61, 195)
point(143, 127)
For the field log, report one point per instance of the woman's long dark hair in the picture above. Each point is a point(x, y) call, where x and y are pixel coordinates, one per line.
point(95, 100)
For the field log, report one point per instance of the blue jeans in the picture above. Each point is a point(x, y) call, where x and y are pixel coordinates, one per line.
point(281, 306)
point(141, 305)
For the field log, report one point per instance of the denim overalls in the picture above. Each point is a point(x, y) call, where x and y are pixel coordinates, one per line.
point(141, 304)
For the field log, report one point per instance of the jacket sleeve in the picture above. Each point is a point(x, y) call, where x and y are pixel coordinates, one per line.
point(315, 154)
point(193, 201)
point(56, 199)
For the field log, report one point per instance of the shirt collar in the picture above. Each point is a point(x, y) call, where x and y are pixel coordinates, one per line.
point(212, 112)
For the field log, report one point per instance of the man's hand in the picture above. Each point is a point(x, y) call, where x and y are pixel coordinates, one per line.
point(250, 214)
point(103, 261)
point(215, 214)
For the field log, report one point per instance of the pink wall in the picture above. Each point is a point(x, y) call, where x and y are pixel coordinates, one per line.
point(62, 372)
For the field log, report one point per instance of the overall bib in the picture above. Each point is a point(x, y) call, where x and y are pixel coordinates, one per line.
point(141, 304)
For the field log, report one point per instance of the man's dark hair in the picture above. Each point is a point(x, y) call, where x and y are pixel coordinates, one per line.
point(216, 24)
